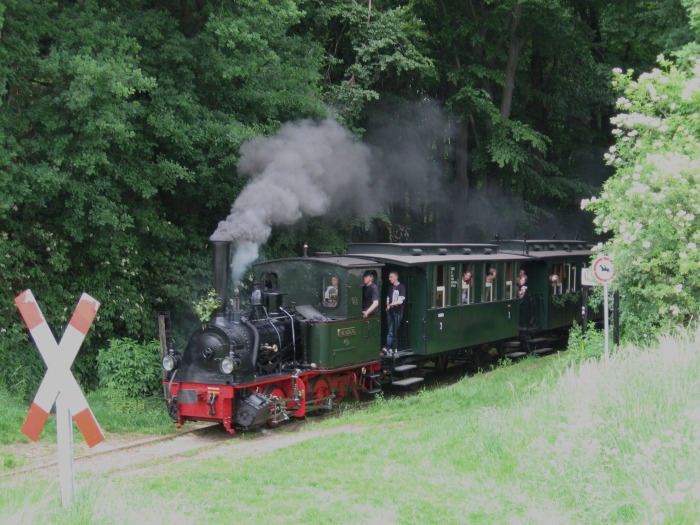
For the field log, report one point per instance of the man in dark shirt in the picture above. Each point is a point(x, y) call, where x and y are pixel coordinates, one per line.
point(370, 294)
point(396, 295)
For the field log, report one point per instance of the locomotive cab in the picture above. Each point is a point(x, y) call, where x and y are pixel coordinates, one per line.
point(325, 293)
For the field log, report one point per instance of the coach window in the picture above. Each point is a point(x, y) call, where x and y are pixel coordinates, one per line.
point(571, 272)
point(555, 278)
point(490, 283)
point(510, 281)
point(467, 284)
point(331, 290)
point(439, 289)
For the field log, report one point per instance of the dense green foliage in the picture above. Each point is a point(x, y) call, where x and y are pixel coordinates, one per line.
point(130, 368)
point(121, 123)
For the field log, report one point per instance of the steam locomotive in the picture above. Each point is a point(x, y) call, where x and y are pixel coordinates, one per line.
point(302, 344)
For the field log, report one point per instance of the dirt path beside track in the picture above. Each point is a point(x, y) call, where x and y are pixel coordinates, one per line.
point(127, 455)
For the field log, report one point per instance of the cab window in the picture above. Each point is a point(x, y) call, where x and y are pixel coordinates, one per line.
point(330, 290)
point(269, 281)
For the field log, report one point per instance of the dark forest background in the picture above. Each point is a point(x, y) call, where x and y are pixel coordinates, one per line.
point(121, 124)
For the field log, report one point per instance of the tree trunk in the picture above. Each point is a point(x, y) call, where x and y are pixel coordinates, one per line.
point(516, 46)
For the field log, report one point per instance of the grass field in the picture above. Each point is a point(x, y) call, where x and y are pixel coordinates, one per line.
point(563, 439)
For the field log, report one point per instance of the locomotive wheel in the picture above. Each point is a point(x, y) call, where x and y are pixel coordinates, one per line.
point(277, 391)
point(318, 389)
point(172, 408)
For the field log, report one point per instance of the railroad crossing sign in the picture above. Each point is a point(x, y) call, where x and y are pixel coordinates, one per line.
point(59, 380)
point(59, 386)
point(603, 269)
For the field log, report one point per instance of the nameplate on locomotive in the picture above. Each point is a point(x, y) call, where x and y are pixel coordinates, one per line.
point(346, 332)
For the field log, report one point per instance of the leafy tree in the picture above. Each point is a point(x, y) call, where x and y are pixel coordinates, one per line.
point(650, 207)
point(120, 124)
point(371, 50)
point(528, 81)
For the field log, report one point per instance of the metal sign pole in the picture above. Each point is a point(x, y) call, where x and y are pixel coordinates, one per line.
point(607, 322)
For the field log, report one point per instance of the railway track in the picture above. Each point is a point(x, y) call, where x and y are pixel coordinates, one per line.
point(198, 439)
point(201, 439)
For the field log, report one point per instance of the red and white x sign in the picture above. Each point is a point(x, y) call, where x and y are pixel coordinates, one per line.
point(59, 380)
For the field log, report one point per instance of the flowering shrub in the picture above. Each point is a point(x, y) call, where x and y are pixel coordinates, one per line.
point(651, 204)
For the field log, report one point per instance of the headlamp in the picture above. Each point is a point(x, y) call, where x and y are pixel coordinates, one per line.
point(227, 365)
point(171, 362)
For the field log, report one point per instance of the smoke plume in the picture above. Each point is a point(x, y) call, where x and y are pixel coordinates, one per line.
point(305, 170)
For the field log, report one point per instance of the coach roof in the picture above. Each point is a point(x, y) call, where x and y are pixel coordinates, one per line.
point(415, 254)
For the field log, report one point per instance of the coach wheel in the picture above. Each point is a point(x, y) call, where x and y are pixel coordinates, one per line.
point(441, 362)
point(318, 389)
point(274, 390)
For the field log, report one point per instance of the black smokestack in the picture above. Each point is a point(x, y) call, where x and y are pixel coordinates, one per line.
point(221, 252)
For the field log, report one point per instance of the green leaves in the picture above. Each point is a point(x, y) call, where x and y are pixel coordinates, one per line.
point(120, 126)
point(130, 368)
point(511, 141)
point(369, 52)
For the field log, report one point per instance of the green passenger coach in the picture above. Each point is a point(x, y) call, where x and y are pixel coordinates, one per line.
point(554, 281)
point(443, 312)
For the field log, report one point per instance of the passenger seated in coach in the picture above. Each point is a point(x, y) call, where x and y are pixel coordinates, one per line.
point(554, 281)
point(467, 283)
point(522, 275)
point(521, 292)
point(491, 275)
point(490, 291)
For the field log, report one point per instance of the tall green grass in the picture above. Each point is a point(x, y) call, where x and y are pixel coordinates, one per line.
point(114, 411)
point(565, 439)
